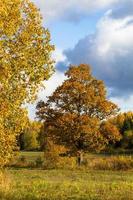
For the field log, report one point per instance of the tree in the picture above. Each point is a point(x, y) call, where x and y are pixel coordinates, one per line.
point(124, 123)
point(29, 138)
point(110, 132)
point(73, 113)
point(25, 61)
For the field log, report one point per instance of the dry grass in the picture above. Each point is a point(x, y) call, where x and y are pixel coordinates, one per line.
point(99, 178)
point(74, 184)
point(111, 163)
point(91, 162)
point(5, 184)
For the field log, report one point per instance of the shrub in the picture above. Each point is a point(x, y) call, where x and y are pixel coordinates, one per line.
point(39, 162)
point(52, 155)
point(112, 163)
point(23, 159)
point(19, 163)
point(50, 160)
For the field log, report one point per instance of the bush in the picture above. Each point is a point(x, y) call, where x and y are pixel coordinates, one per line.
point(22, 162)
point(50, 160)
point(39, 162)
point(23, 159)
point(52, 156)
point(112, 163)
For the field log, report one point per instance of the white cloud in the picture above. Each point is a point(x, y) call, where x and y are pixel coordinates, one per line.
point(110, 53)
point(71, 9)
point(109, 50)
point(58, 55)
point(50, 86)
point(114, 36)
point(126, 104)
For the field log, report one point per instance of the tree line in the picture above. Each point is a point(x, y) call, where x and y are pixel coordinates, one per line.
point(33, 136)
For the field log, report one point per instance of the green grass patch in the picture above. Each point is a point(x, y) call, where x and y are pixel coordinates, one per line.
point(30, 155)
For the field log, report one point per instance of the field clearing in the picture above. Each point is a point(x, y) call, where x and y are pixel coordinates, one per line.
point(78, 183)
point(69, 184)
point(31, 156)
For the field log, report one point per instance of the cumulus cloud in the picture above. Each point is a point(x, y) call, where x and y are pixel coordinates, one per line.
point(72, 10)
point(50, 86)
point(109, 51)
point(126, 104)
point(124, 8)
point(58, 55)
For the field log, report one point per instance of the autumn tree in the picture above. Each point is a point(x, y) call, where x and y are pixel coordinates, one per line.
point(74, 112)
point(25, 61)
point(107, 128)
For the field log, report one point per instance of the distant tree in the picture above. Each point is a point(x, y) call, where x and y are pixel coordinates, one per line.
point(124, 123)
point(30, 137)
point(127, 139)
point(25, 61)
point(73, 113)
point(42, 139)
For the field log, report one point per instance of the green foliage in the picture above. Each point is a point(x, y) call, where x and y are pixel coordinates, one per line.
point(124, 123)
point(39, 161)
point(29, 138)
point(127, 140)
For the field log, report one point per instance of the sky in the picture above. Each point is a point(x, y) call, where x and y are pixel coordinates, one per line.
point(95, 32)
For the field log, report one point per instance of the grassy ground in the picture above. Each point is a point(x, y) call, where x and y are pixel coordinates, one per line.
point(66, 184)
point(69, 184)
point(31, 156)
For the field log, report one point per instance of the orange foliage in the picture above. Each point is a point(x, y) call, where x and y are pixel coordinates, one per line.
point(74, 112)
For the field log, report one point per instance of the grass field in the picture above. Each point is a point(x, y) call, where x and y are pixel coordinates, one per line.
point(69, 184)
point(66, 184)
point(31, 156)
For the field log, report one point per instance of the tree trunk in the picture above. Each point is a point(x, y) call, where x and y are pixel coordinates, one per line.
point(80, 158)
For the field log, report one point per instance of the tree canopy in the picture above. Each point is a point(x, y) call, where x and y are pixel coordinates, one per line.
point(74, 112)
point(25, 61)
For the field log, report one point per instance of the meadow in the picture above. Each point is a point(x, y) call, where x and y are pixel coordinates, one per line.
point(68, 184)
point(74, 183)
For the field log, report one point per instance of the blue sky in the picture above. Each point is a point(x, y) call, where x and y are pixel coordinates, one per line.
point(96, 32)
